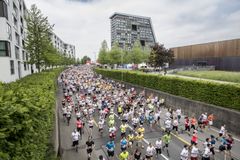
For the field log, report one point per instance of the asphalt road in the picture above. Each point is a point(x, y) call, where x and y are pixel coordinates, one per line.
point(68, 153)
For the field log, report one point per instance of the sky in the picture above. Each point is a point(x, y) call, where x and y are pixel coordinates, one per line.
point(86, 23)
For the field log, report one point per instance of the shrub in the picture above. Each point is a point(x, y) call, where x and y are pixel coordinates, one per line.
point(27, 112)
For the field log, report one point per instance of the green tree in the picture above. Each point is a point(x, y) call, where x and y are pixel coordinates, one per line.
point(38, 36)
point(160, 55)
point(85, 59)
point(103, 56)
point(136, 54)
point(116, 55)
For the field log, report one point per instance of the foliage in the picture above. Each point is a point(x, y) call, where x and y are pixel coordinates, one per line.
point(38, 43)
point(116, 55)
point(85, 59)
point(103, 56)
point(214, 75)
point(38, 31)
point(136, 54)
point(27, 111)
point(160, 55)
point(225, 95)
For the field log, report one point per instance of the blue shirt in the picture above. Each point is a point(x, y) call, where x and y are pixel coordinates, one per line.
point(123, 143)
point(110, 146)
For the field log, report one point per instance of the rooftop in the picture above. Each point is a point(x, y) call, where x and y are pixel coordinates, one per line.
point(124, 14)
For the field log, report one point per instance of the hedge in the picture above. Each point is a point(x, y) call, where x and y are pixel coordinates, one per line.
point(27, 112)
point(224, 95)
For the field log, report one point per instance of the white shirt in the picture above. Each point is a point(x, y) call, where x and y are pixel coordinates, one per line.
point(184, 154)
point(175, 122)
point(150, 150)
point(100, 124)
point(222, 130)
point(78, 114)
point(178, 111)
point(194, 152)
point(158, 144)
point(168, 124)
point(167, 115)
point(206, 152)
point(75, 136)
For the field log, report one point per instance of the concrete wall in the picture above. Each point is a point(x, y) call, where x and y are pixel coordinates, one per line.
point(189, 107)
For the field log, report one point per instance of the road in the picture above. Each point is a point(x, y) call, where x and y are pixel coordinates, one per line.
point(175, 147)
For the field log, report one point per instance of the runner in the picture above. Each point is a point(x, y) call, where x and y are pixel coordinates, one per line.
point(150, 151)
point(79, 126)
point(158, 145)
point(184, 153)
point(75, 139)
point(110, 149)
point(123, 143)
point(90, 146)
point(124, 155)
point(194, 152)
point(166, 140)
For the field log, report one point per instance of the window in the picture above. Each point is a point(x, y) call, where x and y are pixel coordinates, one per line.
point(17, 39)
point(134, 27)
point(3, 9)
point(12, 67)
point(25, 66)
point(23, 55)
point(15, 21)
point(5, 49)
point(15, 10)
point(9, 31)
point(17, 52)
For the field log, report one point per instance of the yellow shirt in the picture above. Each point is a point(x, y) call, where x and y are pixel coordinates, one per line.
point(141, 130)
point(139, 137)
point(124, 155)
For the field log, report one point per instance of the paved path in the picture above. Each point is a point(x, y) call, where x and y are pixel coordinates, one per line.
point(175, 147)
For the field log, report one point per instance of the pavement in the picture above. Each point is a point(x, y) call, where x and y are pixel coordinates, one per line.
point(67, 152)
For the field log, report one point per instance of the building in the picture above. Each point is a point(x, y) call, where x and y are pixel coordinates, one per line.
point(62, 47)
point(13, 58)
point(13, 29)
point(224, 55)
point(126, 29)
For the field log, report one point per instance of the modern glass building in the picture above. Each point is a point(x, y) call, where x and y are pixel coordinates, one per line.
point(126, 29)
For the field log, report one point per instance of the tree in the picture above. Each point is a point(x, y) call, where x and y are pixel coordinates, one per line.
point(103, 56)
point(116, 55)
point(85, 59)
point(160, 55)
point(38, 36)
point(136, 54)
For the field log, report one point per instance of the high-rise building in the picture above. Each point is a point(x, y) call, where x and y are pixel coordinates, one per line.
point(126, 29)
point(13, 57)
point(62, 47)
point(13, 29)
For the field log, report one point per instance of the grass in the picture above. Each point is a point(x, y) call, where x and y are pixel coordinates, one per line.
point(213, 75)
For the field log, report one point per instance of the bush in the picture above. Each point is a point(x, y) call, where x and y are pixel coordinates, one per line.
point(27, 112)
point(225, 95)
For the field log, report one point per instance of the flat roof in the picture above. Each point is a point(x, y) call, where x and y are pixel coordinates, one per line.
point(204, 43)
point(125, 14)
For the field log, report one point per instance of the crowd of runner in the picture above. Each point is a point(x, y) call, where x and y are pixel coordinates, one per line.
point(87, 94)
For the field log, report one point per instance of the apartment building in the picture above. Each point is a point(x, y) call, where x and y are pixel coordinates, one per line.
point(126, 29)
point(13, 57)
point(62, 47)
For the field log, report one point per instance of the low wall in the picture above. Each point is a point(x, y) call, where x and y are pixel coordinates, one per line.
point(189, 107)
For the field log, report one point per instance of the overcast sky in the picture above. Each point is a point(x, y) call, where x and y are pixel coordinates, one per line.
point(85, 23)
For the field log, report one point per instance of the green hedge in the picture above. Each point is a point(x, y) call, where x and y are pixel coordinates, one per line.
point(225, 95)
point(27, 112)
